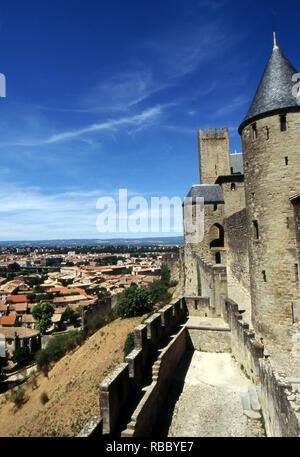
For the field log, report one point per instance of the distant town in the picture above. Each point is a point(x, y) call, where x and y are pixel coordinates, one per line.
point(74, 280)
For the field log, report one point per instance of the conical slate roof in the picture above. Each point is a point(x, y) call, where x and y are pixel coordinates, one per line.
point(275, 88)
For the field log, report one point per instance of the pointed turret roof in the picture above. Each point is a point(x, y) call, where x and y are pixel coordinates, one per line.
point(274, 92)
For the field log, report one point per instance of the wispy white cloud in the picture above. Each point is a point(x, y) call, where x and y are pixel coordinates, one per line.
point(138, 120)
point(31, 213)
point(123, 90)
point(233, 105)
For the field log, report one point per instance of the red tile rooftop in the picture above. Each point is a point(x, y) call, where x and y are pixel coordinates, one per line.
point(17, 298)
point(8, 320)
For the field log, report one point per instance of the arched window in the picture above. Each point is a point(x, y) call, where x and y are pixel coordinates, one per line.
point(218, 257)
point(216, 236)
point(233, 186)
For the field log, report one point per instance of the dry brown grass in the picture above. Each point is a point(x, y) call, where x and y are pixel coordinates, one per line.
point(72, 387)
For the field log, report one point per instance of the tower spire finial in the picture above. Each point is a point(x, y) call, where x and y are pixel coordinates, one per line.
point(274, 31)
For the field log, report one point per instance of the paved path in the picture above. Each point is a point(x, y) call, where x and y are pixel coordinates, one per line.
point(210, 402)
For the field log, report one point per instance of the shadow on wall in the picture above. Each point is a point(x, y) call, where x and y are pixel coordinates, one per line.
point(163, 423)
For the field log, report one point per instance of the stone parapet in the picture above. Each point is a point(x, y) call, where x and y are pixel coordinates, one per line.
point(127, 378)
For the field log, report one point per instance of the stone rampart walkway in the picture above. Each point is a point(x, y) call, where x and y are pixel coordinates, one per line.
point(210, 402)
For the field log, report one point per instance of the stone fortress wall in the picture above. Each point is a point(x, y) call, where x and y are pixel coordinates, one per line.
point(238, 276)
point(216, 146)
point(272, 162)
point(245, 270)
point(279, 394)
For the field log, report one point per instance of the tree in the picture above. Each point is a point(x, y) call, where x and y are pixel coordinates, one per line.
point(132, 302)
point(165, 274)
point(14, 267)
point(159, 292)
point(103, 295)
point(38, 289)
point(22, 356)
point(31, 297)
point(70, 315)
point(42, 313)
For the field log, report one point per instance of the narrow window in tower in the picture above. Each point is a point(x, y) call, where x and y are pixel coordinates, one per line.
point(287, 222)
point(233, 186)
point(215, 207)
point(255, 230)
point(264, 276)
point(283, 123)
point(286, 160)
point(296, 272)
point(254, 130)
point(267, 133)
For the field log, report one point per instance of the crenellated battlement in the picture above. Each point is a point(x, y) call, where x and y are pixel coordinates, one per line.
point(126, 379)
point(217, 134)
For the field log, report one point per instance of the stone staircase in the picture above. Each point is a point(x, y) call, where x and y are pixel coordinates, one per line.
point(251, 402)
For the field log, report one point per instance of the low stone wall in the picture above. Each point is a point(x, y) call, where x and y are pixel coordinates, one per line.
point(245, 348)
point(92, 428)
point(280, 399)
point(145, 415)
point(280, 396)
point(238, 275)
point(210, 340)
point(213, 282)
point(199, 306)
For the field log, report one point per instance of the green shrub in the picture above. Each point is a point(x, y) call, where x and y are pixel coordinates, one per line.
point(43, 361)
point(70, 315)
point(44, 398)
point(17, 396)
point(133, 302)
point(33, 380)
point(129, 344)
point(98, 321)
point(57, 347)
point(165, 274)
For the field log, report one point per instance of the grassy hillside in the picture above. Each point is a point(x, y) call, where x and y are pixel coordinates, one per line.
point(72, 387)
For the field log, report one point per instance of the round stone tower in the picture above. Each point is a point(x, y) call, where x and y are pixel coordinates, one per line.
point(270, 136)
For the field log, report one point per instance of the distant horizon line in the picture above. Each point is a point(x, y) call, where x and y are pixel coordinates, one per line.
point(93, 239)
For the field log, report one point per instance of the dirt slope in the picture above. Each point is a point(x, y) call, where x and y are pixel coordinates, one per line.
point(72, 387)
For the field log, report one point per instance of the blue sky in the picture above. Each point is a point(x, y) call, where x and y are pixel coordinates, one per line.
point(108, 95)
